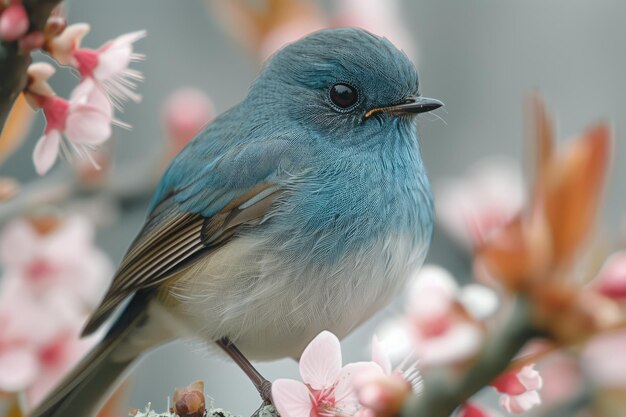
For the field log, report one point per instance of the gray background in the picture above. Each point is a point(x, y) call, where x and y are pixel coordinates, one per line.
point(481, 58)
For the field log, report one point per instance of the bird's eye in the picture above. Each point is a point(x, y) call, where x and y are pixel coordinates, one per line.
point(343, 95)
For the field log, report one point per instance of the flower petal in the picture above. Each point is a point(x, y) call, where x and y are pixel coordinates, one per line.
point(18, 368)
point(530, 378)
point(46, 151)
point(380, 356)
point(520, 403)
point(345, 393)
point(291, 398)
point(320, 363)
point(87, 124)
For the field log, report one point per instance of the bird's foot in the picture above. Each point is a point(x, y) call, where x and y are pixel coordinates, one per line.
point(265, 390)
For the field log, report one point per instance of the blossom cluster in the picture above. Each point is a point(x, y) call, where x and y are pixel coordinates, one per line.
point(74, 126)
point(53, 278)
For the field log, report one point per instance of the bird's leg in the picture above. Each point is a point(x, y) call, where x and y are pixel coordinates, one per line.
point(262, 385)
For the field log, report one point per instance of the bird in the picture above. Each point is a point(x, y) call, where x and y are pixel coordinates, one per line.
point(305, 207)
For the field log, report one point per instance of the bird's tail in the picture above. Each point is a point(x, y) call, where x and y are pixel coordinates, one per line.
point(82, 392)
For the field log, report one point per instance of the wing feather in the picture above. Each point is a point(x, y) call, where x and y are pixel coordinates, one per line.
point(178, 241)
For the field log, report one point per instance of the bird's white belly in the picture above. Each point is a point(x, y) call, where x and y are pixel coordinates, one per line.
point(271, 308)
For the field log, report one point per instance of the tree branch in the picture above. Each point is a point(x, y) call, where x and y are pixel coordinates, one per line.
point(442, 396)
point(14, 63)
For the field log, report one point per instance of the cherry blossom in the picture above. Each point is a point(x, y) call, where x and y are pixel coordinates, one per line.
point(14, 22)
point(382, 391)
point(326, 389)
point(185, 113)
point(61, 267)
point(471, 208)
point(84, 121)
point(443, 328)
point(603, 360)
point(106, 66)
point(53, 276)
point(39, 342)
point(519, 389)
point(611, 281)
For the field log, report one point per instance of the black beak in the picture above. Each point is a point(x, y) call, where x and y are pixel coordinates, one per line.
point(411, 105)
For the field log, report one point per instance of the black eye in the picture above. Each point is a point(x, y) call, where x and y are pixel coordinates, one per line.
point(343, 95)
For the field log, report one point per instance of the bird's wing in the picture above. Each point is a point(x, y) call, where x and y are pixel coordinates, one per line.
point(197, 208)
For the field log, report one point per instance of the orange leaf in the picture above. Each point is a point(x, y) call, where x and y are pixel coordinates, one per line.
point(573, 189)
point(517, 253)
point(541, 139)
point(15, 128)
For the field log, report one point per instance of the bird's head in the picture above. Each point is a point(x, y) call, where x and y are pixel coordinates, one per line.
point(341, 81)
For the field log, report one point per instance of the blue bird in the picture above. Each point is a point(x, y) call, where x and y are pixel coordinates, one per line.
point(303, 208)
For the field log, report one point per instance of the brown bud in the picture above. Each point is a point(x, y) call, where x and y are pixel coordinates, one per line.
point(189, 401)
point(55, 25)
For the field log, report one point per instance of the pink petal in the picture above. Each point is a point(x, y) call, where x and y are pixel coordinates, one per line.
point(530, 378)
point(46, 151)
point(611, 281)
point(345, 393)
point(380, 356)
point(603, 359)
point(88, 125)
point(291, 398)
point(520, 403)
point(458, 343)
point(320, 363)
point(18, 368)
point(115, 56)
point(18, 243)
point(13, 22)
point(90, 93)
point(73, 350)
point(479, 301)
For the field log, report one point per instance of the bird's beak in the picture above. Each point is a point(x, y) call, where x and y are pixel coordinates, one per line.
point(411, 105)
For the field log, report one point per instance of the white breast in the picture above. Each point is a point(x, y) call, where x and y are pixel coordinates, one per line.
point(272, 308)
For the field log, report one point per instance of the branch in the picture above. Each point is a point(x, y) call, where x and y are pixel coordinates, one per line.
point(442, 396)
point(14, 63)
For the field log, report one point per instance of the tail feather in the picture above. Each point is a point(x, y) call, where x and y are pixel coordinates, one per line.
point(85, 389)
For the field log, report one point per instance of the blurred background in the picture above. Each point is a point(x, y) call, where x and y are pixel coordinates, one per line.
point(482, 59)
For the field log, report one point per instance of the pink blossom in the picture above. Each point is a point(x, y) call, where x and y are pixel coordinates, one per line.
point(185, 113)
point(382, 391)
point(471, 208)
point(407, 370)
point(441, 332)
point(326, 390)
point(39, 341)
point(62, 268)
point(84, 120)
point(107, 66)
point(14, 22)
point(520, 389)
point(603, 360)
point(611, 281)
point(53, 278)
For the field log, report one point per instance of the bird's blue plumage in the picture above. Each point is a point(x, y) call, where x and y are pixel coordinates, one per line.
point(347, 178)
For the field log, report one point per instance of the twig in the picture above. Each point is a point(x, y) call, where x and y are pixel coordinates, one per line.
point(441, 397)
point(14, 63)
